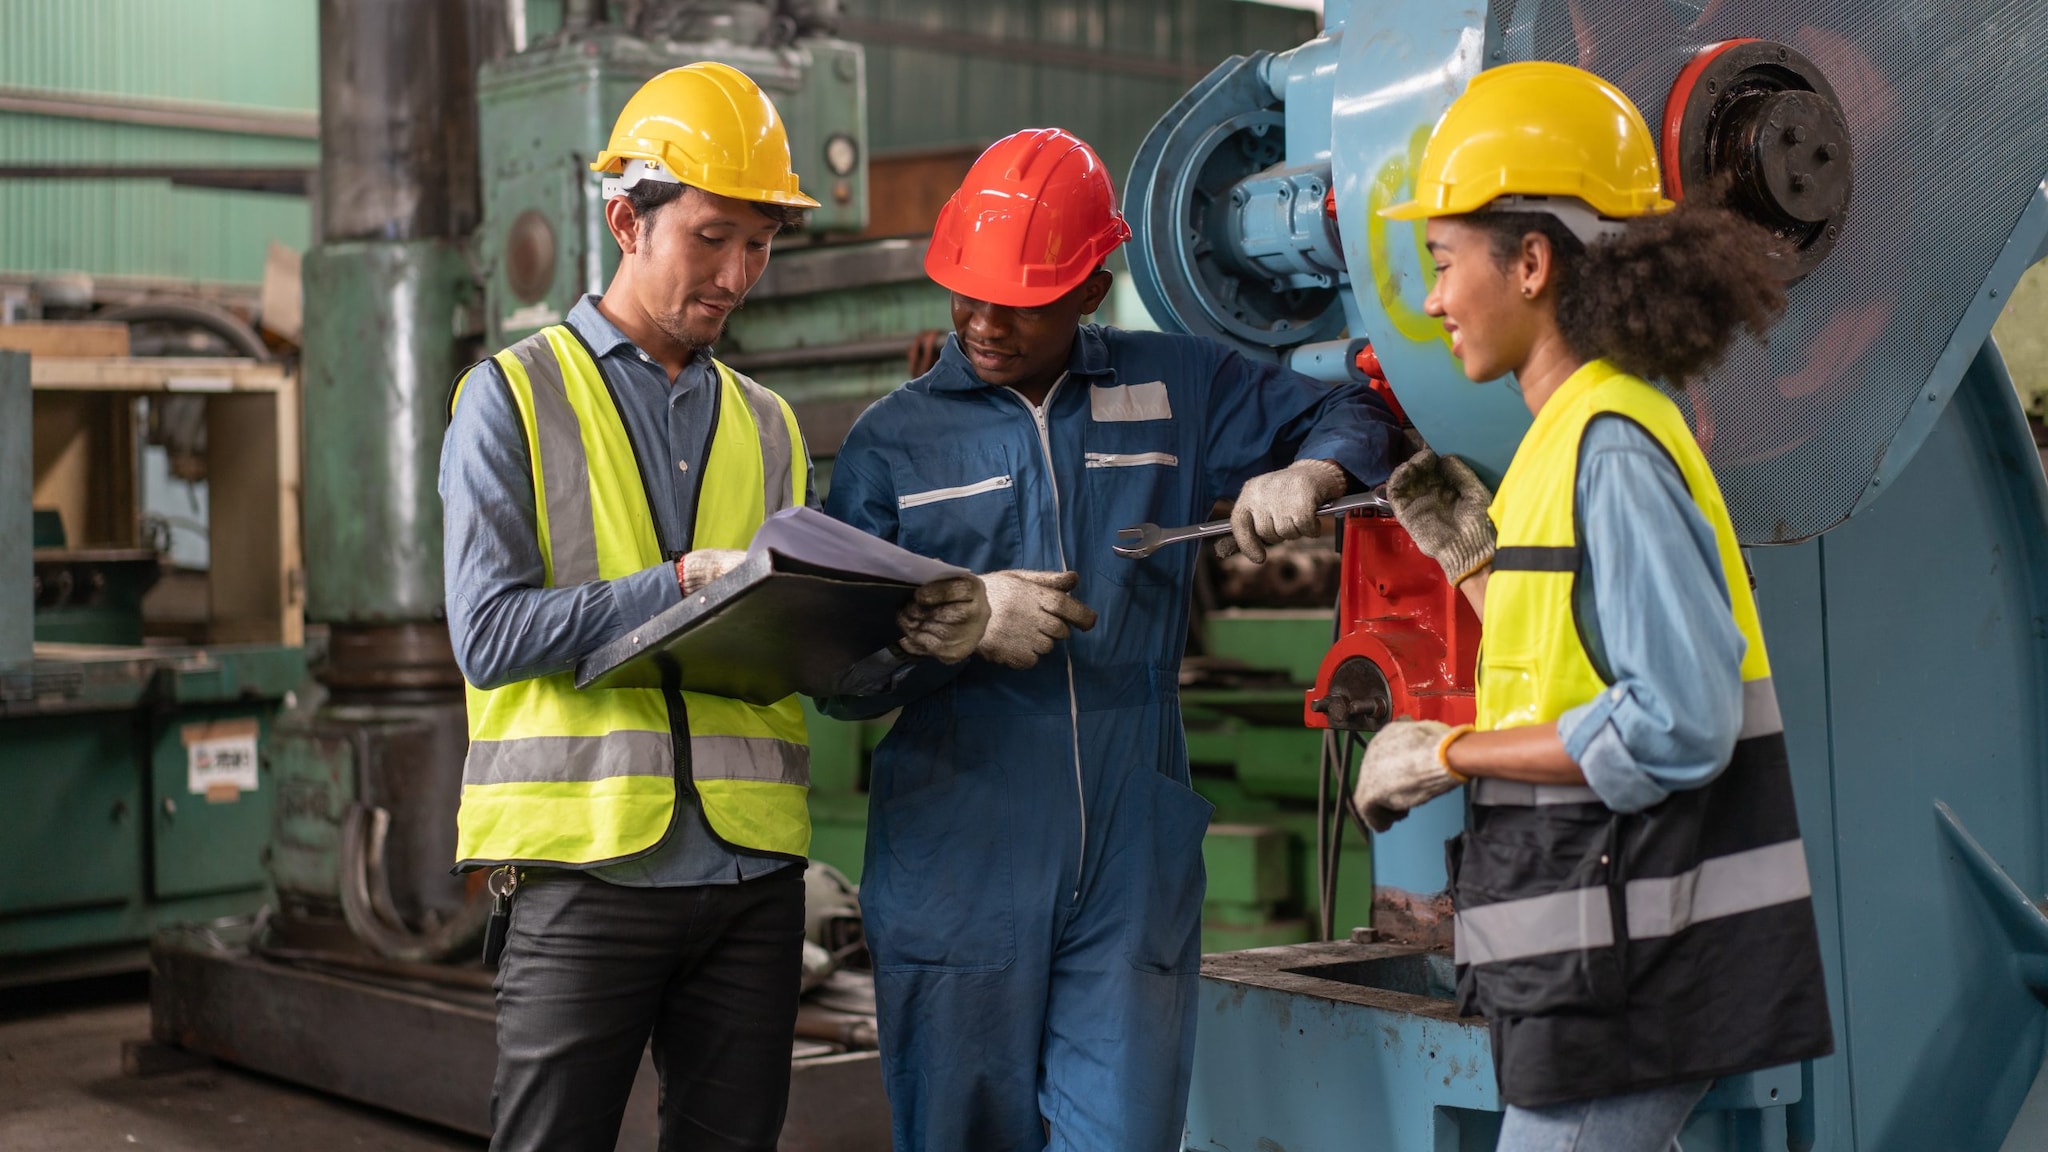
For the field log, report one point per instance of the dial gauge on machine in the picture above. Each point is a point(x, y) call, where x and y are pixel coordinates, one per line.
point(841, 153)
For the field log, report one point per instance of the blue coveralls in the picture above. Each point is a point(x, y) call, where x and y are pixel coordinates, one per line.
point(1033, 881)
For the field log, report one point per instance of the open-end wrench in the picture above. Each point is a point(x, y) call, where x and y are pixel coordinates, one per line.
point(1142, 540)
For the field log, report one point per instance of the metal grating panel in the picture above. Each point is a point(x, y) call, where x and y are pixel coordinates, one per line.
point(1949, 115)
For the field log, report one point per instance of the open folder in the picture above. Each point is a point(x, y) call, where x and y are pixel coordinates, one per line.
point(812, 598)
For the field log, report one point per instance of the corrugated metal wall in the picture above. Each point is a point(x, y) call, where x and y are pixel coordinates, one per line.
point(988, 83)
point(256, 54)
point(958, 72)
point(940, 73)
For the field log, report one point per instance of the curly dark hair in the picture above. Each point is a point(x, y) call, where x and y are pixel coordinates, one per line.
point(649, 197)
point(1663, 299)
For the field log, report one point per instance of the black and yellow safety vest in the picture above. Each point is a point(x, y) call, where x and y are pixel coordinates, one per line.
point(1614, 952)
point(576, 778)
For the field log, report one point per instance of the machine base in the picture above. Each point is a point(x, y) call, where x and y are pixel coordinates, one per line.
point(1361, 1046)
point(428, 1051)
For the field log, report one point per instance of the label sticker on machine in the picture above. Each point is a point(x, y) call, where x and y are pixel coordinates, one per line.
point(220, 759)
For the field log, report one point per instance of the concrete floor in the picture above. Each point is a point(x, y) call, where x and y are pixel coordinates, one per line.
point(62, 1089)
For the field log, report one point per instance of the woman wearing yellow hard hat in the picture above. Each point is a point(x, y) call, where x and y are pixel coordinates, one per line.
point(1633, 911)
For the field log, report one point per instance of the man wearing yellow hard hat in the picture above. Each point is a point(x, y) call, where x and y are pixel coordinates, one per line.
point(1633, 909)
point(647, 845)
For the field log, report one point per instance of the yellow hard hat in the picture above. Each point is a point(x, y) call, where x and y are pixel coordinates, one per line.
point(710, 126)
point(1538, 129)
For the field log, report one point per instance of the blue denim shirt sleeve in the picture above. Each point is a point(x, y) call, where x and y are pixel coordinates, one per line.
point(1263, 416)
point(1659, 626)
point(504, 625)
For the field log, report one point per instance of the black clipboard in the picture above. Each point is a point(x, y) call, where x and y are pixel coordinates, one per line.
point(768, 629)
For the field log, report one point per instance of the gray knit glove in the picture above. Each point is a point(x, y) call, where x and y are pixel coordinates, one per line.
point(1442, 503)
point(1403, 769)
point(696, 569)
point(944, 619)
point(1281, 505)
point(1029, 612)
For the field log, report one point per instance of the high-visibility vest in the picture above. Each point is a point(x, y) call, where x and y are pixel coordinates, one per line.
point(572, 778)
point(1619, 951)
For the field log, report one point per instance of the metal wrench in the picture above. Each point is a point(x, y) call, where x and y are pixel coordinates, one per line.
point(1142, 540)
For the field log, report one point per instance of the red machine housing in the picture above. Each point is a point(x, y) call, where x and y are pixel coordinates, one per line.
point(1407, 642)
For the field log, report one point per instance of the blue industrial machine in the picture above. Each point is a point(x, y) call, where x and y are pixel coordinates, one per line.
point(1872, 452)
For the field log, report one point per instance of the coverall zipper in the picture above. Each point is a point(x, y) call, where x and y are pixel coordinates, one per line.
point(1038, 417)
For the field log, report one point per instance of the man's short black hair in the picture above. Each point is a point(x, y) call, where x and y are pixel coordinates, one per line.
point(649, 197)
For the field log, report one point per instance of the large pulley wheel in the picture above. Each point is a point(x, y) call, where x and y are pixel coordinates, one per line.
point(1905, 186)
point(1757, 122)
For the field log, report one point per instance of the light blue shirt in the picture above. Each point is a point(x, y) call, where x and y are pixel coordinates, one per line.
point(1659, 627)
point(506, 627)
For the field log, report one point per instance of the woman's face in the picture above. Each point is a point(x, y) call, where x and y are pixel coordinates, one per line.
point(1491, 322)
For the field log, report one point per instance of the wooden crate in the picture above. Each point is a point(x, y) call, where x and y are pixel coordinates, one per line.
point(84, 459)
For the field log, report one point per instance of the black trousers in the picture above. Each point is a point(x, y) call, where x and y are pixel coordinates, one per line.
point(590, 970)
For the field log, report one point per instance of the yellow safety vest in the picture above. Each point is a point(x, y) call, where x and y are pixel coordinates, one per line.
point(580, 778)
point(1532, 665)
point(1616, 951)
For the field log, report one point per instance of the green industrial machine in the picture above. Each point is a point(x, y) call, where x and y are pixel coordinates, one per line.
point(1253, 759)
point(458, 214)
point(543, 114)
point(138, 789)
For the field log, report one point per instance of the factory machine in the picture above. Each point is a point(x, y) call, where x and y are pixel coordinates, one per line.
point(1872, 452)
point(457, 214)
point(133, 760)
point(136, 792)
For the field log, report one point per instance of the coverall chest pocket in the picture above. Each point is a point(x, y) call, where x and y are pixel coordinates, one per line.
point(1137, 473)
point(959, 508)
point(937, 891)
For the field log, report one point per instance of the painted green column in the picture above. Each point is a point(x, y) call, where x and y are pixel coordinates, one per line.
point(380, 359)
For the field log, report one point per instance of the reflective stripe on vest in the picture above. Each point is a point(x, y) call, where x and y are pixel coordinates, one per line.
point(1580, 918)
point(574, 778)
point(1618, 951)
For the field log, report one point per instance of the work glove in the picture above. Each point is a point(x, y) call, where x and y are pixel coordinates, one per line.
point(1403, 767)
point(1028, 613)
point(1442, 503)
point(1281, 506)
point(945, 619)
point(696, 569)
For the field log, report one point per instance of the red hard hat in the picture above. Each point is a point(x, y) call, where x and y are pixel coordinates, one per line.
point(1033, 219)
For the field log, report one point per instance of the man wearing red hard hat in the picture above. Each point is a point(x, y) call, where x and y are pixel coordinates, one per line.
point(1033, 885)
